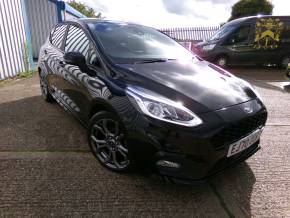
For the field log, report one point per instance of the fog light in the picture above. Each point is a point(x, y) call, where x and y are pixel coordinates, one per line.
point(166, 163)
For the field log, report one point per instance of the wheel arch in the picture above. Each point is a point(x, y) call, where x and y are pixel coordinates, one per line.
point(99, 105)
point(284, 56)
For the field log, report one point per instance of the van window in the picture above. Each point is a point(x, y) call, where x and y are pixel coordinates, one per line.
point(240, 35)
point(221, 33)
point(57, 36)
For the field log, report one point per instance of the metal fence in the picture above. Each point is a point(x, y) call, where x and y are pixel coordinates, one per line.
point(191, 34)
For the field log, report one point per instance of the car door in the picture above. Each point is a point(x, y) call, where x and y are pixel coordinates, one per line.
point(78, 84)
point(241, 44)
point(53, 55)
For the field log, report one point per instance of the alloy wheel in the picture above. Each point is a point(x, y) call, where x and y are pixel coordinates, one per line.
point(285, 61)
point(222, 62)
point(109, 145)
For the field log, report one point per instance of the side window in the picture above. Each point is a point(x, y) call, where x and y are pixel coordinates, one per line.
point(93, 57)
point(77, 41)
point(240, 36)
point(57, 35)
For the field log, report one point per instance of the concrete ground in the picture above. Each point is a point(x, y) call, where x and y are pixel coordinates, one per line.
point(46, 168)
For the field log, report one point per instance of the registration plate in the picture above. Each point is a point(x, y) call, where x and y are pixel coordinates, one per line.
point(244, 143)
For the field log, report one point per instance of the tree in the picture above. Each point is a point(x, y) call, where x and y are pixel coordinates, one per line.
point(244, 8)
point(85, 10)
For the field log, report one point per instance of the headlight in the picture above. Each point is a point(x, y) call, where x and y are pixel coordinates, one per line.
point(162, 108)
point(208, 47)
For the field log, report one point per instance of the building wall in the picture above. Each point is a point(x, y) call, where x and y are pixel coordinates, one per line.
point(42, 16)
point(12, 38)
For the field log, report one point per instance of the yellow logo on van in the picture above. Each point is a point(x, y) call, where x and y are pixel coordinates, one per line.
point(268, 32)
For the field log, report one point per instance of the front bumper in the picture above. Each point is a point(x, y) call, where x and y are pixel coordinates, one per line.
point(199, 152)
point(194, 172)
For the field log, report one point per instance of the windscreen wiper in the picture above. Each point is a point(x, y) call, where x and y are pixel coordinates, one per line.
point(154, 60)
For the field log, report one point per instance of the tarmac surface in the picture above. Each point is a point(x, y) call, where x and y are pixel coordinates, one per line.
point(46, 168)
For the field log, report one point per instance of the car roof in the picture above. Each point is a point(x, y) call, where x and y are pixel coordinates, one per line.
point(84, 21)
point(96, 20)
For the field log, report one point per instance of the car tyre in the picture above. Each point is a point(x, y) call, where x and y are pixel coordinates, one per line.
point(285, 61)
point(107, 140)
point(222, 61)
point(44, 89)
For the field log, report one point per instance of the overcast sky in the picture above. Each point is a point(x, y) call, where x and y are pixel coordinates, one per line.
point(173, 13)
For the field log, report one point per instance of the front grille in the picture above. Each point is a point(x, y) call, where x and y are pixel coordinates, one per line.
point(236, 131)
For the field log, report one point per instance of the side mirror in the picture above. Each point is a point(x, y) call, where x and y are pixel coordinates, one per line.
point(97, 62)
point(75, 58)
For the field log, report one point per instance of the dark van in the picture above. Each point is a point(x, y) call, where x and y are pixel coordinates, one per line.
point(288, 71)
point(250, 40)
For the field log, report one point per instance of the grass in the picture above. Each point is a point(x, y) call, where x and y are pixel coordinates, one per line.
point(26, 74)
point(21, 75)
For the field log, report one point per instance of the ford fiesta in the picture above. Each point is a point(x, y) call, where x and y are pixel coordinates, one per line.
point(145, 99)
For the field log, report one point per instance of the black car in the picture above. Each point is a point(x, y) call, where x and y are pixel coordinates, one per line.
point(147, 101)
point(250, 40)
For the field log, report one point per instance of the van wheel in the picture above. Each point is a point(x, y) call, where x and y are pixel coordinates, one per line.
point(107, 140)
point(222, 61)
point(285, 61)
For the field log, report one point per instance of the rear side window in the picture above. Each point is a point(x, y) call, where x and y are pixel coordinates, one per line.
point(57, 36)
point(77, 41)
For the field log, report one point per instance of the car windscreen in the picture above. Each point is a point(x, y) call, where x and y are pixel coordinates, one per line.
point(128, 43)
point(222, 32)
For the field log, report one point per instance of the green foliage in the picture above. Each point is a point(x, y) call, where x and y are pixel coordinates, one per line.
point(244, 8)
point(26, 74)
point(85, 10)
point(26, 56)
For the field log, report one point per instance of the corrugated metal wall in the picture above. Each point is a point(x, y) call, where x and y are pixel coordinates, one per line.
point(12, 38)
point(42, 16)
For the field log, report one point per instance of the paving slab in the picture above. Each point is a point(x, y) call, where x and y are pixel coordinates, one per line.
point(74, 184)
